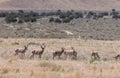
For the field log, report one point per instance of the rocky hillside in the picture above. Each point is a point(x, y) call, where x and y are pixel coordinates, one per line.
point(60, 4)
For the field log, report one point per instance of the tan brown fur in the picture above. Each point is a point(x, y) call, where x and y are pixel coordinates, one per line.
point(22, 51)
point(58, 53)
point(38, 52)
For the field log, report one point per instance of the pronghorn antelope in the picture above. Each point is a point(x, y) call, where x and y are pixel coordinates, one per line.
point(71, 53)
point(22, 51)
point(95, 55)
point(38, 52)
point(117, 57)
point(58, 53)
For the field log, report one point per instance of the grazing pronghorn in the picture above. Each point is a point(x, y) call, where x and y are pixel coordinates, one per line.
point(22, 51)
point(38, 52)
point(58, 53)
point(117, 57)
point(95, 55)
point(71, 53)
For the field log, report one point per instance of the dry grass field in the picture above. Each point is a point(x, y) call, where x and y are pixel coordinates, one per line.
point(16, 67)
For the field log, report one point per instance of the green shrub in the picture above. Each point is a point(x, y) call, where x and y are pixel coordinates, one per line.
point(63, 15)
point(43, 14)
point(51, 19)
point(116, 16)
point(58, 20)
point(3, 14)
point(58, 12)
point(66, 20)
point(78, 15)
point(22, 16)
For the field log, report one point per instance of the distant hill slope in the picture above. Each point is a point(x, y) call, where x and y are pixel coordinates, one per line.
point(60, 4)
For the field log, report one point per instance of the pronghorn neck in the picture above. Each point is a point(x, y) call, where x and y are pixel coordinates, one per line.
point(62, 51)
point(25, 48)
point(73, 49)
point(43, 50)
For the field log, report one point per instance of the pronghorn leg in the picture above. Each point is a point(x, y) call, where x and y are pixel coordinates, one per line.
point(74, 57)
point(118, 57)
point(98, 57)
point(65, 56)
point(59, 57)
point(95, 57)
point(115, 58)
point(16, 53)
point(53, 56)
point(24, 54)
point(39, 55)
point(32, 56)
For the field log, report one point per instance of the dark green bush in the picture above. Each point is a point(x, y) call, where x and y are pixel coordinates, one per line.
point(66, 20)
point(58, 12)
point(78, 15)
point(116, 16)
point(21, 16)
point(58, 20)
point(51, 19)
point(11, 17)
point(63, 15)
point(2, 14)
point(43, 14)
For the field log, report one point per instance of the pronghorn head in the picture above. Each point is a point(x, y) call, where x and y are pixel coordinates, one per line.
point(26, 47)
point(62, 49)
point(43, 46)
point(72, 48)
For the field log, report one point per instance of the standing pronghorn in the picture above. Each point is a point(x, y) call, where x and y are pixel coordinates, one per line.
point(38, 52)
point(58, 53)
point(22, 51)
point(71, 53)
point(95, 55)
